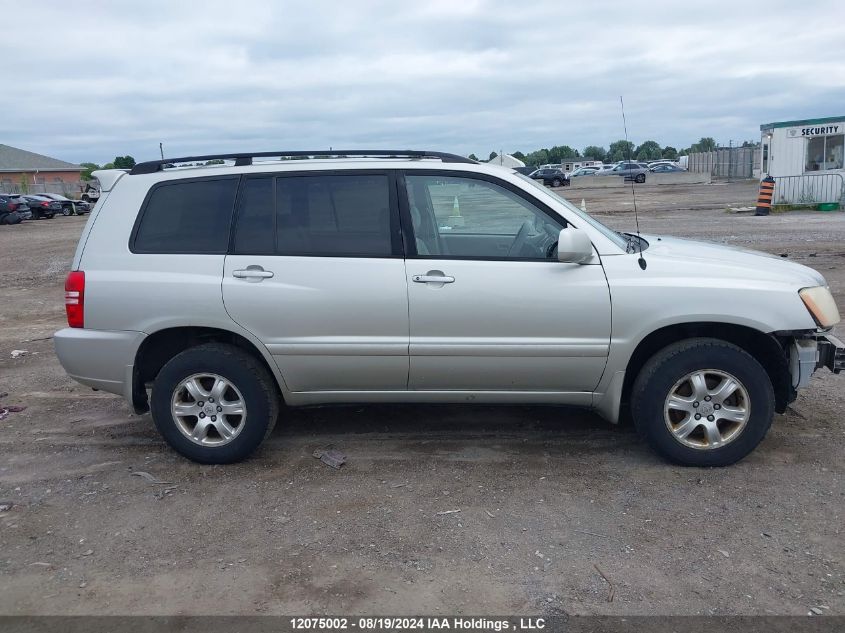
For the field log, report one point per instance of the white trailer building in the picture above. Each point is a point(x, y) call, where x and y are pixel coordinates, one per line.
point(806, 158)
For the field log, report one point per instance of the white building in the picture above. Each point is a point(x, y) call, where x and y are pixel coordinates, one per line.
point(806, 158)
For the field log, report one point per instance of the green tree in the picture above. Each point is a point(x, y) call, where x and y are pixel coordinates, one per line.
point(24, 184)
point(492, 155)
point(472, 157)
point(518, 155)
point(705, 144)
point(124, 162)
point(560, 153)
point(537, 158)
point(669, 152)
point(649, 150)
point(596, 152)
point(620, 150)
point(89, 167)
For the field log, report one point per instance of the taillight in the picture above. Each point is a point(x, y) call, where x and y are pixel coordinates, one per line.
point(75, 298)
point(45, 204)
point(13, 206)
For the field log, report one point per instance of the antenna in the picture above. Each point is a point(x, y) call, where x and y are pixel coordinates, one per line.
point(641, 259)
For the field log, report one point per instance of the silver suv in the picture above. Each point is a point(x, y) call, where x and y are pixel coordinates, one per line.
point(214, 295)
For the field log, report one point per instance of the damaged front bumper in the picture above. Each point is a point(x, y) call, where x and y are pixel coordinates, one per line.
point(811, 352)
point(831, 353)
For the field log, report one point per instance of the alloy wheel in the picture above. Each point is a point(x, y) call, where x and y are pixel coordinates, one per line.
point(707, 409)
point(208, 409)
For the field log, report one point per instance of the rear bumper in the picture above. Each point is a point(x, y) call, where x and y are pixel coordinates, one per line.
point(100, 359)
point(831, 353)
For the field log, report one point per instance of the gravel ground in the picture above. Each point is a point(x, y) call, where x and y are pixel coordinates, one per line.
point(541, 501)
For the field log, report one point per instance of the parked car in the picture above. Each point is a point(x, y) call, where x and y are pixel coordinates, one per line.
point(554, 177)
point(42, 207)
point(584, 171)
point(246, 296)
point(69, 207)
point(629, 170)
point(664, 168)
point(13, 209)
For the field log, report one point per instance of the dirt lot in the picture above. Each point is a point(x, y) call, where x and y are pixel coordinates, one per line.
point(547, 495)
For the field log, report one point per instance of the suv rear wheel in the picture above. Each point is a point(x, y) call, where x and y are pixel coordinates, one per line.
point(214, 403)
point(703, 402)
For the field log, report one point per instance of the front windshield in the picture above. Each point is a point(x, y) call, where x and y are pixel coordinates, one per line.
point(616, 238)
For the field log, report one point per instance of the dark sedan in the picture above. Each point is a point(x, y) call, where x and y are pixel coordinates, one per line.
point(665, 168)
point(13, 209)
point(42, 207)
point(553, 177)
point(69, 207)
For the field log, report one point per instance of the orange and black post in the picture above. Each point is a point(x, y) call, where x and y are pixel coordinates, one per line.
point(764, 200)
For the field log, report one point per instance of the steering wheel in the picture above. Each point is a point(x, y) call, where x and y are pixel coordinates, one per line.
point(520, 240)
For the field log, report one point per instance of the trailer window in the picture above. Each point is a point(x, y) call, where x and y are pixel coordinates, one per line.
point(825, 152)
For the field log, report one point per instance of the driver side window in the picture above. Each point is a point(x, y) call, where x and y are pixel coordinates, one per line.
point(456, 217)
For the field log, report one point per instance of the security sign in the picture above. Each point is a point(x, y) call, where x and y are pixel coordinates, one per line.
point(815, 130)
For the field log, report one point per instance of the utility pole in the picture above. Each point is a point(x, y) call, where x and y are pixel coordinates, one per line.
point(161, 150)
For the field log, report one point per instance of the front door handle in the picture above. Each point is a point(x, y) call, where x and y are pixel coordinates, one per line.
point(252, 273)
point(433, 279)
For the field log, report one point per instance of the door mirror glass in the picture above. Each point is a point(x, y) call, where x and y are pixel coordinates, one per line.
point(574, 246)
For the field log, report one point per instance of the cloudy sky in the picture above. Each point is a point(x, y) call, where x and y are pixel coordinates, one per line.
point(85, 81)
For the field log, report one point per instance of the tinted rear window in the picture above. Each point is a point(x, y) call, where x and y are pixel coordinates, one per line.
point(187, 217)
point(329, 215)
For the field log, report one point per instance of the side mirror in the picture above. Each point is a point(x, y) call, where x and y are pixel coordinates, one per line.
point(574, 246)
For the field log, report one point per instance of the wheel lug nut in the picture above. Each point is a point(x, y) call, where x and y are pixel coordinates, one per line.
point(695, 404)
point(200, 403)
point(202, 415)
point(211, 399)
point(214, 418)
point(710, 417)
point(707, 398)
point(697, 416)
point(717, 406)
point(219, 409)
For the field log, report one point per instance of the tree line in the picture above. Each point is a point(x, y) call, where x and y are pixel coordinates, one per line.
point(617, 151)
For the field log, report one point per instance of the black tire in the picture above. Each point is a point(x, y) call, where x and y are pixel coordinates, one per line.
point(67, 210)
point(50, 216)
point(640, 178)
point(556, 182)
point(243, 370)
point(86, 199)
point(661, 373)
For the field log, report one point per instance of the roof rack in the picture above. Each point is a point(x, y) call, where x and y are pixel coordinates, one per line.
point(242, 159)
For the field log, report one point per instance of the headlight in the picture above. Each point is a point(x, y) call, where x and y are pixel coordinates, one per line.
point(821, 305)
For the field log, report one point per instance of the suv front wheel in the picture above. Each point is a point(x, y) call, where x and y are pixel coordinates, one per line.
point(214, 403)
point(703, 402)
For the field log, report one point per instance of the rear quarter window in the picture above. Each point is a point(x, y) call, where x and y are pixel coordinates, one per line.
point(187, 217)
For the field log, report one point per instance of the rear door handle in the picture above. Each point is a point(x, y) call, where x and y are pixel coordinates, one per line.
point(433, 279)
point(252, 273)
